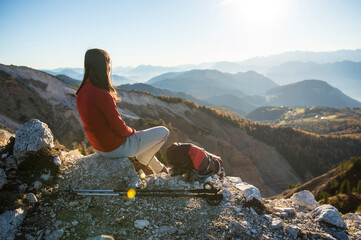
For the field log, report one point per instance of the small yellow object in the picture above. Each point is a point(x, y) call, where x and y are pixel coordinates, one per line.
point(131, 193)
point(141, 173)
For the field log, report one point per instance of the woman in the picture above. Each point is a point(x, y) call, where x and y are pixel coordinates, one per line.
point(105, 129)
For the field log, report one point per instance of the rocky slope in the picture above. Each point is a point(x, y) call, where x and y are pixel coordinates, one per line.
point(43, 208)
point(27, 94)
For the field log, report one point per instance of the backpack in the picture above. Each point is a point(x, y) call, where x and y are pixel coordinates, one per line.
point(187, 156)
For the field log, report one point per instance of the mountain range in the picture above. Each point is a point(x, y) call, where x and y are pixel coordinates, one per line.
point(244, 92)
point(207, 83)
point(345, 75)
point(258, 64)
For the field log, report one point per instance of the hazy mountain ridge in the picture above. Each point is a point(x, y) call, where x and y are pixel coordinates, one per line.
point(265, 63)
point(72, 75)
point(207, 83)
point(309, 93)
point(345, 75)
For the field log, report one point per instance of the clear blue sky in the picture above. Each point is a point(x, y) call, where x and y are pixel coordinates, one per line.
point(54, 33)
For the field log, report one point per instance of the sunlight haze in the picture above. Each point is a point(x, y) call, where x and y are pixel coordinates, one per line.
point(53, 34)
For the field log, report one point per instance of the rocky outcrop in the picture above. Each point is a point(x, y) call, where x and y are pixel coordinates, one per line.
point(31, 137)
point(10, 221)
point(97, 172)
point(57, 213)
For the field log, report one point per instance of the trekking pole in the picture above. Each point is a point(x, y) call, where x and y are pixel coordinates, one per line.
point(209, 192)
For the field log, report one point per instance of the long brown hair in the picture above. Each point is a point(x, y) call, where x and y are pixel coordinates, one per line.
point(97, 66)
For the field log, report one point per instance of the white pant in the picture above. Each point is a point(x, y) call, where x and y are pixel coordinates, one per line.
point(143, 145)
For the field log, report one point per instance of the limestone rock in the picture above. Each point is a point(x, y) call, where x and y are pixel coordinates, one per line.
point(57, 161)
point(165, 230)
point(32, 136)
point(10, 221)
point(293, 231)
point(95, 171)
point(276, 223)
point(329, 214)
point(304, 199)
point(141, 224)
point(32, 198)
point(3, 179)
point(249, 191)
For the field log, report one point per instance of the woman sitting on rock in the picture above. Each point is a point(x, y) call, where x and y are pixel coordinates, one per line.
point(103, 125)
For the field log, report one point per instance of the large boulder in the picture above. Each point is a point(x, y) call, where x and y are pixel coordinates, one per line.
point(34, 135)
point(10, 221)
point(304, 199)
point(97, 172)
point(329, 214)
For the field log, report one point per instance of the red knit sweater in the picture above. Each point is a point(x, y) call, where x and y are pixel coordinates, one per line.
point(104, 127)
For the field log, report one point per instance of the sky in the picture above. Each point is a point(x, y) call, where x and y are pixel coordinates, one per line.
point(54, 34)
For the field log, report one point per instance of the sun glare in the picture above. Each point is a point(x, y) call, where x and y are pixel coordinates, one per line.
point(258, 13)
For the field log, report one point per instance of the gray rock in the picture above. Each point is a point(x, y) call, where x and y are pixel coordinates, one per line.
point(341, 235)
point(56, 235)
point(304, 199)
point(101, 237)
point(285, 212)
point(97, 172)
point(23, 187)
point(141, 224)
point(37, 185)
point(57, 161)
point(237, 229)
point(58, 223)
point(329, 214)
point(226, 194)
point(31, 198)
point(32, 136)
point(10, 221)
point(248, 191)
point(276, 223)
point(3, 179)
point(165, 230)
point(293, 231)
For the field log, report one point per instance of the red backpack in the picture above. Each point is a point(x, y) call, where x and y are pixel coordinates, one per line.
point(187, 156)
